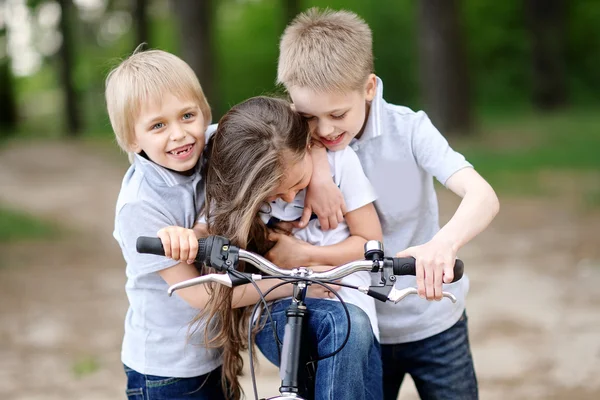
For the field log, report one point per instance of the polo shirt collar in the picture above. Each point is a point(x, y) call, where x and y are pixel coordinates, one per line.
point(373, 127)
point(163, 176)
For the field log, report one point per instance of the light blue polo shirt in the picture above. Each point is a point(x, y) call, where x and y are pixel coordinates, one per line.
point(401, 151)
point(156, 338)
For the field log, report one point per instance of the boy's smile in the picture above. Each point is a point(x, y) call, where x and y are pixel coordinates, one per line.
point(170, 132)
point(335, 118)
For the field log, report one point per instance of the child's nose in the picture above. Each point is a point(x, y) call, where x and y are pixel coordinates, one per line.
point(325, 129)
point(177, 132)
point(289, 196)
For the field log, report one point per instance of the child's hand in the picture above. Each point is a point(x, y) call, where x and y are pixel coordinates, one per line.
point(179, 243)
point(288, 252)
point(325, 199)
point(435, 265)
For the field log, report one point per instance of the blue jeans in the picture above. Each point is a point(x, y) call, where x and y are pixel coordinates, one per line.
point(353, 373)
point(150, 387)
point(441, 366)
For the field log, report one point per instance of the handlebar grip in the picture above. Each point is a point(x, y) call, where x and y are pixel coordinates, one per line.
point(150, 245)
point(153, 245)
point(203, 250)
point(407, 266)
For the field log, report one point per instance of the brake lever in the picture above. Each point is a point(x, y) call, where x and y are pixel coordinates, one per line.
point(396, 295)
point(222, 279)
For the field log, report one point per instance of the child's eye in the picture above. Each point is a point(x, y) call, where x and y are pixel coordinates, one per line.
point(157, 126)
point(308, 117)
point(341, 116)
point(188, 115)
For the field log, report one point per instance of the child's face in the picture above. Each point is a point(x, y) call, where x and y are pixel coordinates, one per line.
point(297, 176)
point(334, 118)
point(170, 132)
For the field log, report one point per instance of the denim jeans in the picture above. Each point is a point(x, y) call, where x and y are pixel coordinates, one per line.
point(354, 372)
point(441, 366)
point(150, 387)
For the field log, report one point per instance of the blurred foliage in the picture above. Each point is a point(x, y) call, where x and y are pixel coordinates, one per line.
point(246, 42)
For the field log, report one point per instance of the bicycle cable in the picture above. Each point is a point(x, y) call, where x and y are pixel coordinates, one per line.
point(287, 280)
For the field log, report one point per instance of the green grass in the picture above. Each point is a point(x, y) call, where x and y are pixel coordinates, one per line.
point(512, 152)
point(18, 226)
point(85, 366)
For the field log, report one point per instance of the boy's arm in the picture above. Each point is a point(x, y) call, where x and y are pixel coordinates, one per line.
point(290, 252)
point(323, 197)
point(363, 222)
point(244, 295)
point(181, 244)
point(435, 259)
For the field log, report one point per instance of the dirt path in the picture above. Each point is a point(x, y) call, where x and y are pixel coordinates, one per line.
point(533, 305)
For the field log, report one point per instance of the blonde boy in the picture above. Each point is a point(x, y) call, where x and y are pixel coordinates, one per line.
point(159, 115)
point(326, 65)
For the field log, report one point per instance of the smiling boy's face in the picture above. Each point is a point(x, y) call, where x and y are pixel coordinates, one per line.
point(171, 132)
point(334, 118)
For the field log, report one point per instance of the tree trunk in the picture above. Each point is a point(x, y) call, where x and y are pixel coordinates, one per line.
point(291, 8)
point(140, 19)
point(195, 25)
point(8, 106)
point(66, 72)
point(547, 27)
point(444, 78)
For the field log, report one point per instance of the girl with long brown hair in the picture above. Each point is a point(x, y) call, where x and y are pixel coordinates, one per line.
point(258, 165)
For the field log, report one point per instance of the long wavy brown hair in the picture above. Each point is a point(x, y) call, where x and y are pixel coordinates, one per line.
point(246, 161)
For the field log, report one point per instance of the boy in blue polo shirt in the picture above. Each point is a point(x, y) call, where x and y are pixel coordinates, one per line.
point(326, 65)
point(159, 115)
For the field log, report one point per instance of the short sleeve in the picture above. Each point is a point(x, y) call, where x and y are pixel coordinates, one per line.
point(210, 130)
point(354, 184)
point(432, 151)
point(142, 219)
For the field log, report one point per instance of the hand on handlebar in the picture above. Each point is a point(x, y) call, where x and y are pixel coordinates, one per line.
point(179, 243)
point(434, 266)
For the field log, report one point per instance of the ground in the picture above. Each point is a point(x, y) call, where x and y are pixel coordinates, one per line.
point(533, 304)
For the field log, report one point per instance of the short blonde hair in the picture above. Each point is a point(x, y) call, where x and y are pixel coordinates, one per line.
point(326, 50)
point(144, 77)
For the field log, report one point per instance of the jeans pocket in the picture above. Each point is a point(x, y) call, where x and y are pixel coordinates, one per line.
point(178, 388)
point(135, 394)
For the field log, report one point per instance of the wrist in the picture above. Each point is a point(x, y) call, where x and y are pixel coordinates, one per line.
point(447, 240)
point(309, 255)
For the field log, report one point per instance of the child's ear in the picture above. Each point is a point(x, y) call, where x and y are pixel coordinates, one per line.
point(134, 147)
point(371, 87)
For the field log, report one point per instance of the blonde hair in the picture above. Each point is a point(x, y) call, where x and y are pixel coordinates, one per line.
point(326, 50)
point(145, 77)
point(247, 158)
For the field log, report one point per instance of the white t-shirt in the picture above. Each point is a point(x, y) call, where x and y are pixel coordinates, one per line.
point(347, 173)
point(401, 151)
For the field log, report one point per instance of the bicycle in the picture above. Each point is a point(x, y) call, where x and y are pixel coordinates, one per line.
point(218, 253)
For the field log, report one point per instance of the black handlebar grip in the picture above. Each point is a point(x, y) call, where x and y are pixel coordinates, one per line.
point(203, 250)
point(407, 266)
point(150, 245)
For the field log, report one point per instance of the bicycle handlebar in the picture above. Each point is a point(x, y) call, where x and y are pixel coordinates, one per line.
point(216, 251)
point(208, 246)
